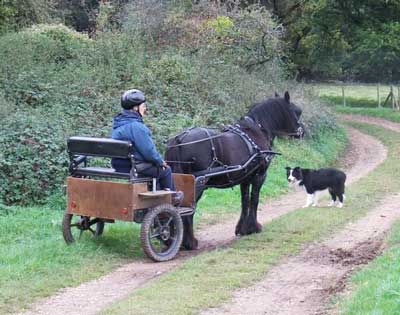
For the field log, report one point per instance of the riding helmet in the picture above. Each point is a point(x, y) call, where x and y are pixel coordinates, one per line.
point(132, 98)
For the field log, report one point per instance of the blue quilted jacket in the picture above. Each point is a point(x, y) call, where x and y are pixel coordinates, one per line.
point(129, 126)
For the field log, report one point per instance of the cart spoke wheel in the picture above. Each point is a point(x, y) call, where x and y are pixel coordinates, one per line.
point(75, 226)
point(162, 232)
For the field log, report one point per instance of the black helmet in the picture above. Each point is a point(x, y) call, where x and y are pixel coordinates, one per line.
point(132, 98)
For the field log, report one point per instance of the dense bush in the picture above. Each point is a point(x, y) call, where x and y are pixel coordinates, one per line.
point(205, 66)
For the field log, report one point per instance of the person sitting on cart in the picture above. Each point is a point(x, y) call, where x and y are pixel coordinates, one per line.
point(128, 125)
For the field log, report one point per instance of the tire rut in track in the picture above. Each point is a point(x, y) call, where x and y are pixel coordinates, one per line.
point(90, 297)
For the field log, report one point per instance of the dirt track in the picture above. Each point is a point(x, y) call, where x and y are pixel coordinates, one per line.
point(304, 283)
point(91, 297)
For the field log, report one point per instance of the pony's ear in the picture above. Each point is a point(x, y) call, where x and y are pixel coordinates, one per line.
point(277, 94)
point(287, 97)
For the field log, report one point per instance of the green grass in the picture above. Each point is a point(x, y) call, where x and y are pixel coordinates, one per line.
point(355, 91)
point(35, 261)
point(376, 288)
point(361, 99)
point(386, 113)
point(211, 278)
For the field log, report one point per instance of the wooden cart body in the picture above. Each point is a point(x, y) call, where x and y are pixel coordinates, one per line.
point(120, 200)
point(94, 198)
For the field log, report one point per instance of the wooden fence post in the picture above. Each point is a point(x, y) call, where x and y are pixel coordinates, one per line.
point(391, 93)
point(398, 97)
point(379, 98)
point(344, 98)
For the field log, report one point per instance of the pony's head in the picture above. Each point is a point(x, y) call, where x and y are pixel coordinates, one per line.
point(278, 116)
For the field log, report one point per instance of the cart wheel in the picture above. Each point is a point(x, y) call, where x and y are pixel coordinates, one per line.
point(73, 226)
point(162, 232)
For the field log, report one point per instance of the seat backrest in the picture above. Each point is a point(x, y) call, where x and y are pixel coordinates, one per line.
point(101, 147)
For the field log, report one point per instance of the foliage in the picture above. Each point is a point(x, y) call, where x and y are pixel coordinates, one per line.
point(32, 161)
point(71, 83)
point(341, 39)
point(377, 50)
point(15, 14)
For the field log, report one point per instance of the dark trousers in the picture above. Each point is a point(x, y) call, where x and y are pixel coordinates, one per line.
point(164, 176)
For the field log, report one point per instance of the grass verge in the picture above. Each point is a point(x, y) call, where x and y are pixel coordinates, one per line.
point(211, 278)
point(386, 113)
point(35, 262)
point(376, 288)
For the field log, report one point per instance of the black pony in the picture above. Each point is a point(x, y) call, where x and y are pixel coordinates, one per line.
point(240, 154)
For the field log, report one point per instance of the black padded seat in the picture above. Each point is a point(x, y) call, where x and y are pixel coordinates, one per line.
point(102, 147)
point(80, 148)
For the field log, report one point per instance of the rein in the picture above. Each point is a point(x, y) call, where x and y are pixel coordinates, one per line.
point(196, 141)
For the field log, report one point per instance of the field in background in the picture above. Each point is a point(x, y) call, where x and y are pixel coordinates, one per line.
point(356, 95)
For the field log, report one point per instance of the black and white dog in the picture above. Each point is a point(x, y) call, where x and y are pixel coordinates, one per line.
point(316, 180)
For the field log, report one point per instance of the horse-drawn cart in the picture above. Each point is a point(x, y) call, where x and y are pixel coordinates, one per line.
point(93, 199)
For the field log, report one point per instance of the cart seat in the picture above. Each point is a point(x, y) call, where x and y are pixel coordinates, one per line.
point(80, 148)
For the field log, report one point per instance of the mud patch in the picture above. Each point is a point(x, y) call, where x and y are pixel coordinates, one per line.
point(359, 254)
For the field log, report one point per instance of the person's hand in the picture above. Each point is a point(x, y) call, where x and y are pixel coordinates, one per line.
point(164, 165)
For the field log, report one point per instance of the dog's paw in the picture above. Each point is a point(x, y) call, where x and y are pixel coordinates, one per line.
point(331, 204)
point(340, 205)
point(305, 206)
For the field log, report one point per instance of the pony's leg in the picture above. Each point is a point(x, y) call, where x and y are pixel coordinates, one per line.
point(253, 225)
point(189, 242)
point(241, 226)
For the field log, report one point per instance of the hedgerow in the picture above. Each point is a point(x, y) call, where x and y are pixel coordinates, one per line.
point(205, 66)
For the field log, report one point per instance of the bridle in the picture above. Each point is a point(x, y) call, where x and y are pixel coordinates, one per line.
point(299, 132)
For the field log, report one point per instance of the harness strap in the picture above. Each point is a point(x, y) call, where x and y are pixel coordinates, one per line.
point(252, 146)
point(214, 153)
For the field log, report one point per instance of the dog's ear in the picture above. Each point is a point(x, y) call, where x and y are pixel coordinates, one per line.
point(287, 168)
point(297, 168)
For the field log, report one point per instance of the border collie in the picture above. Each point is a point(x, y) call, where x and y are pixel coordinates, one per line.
point(316, 180)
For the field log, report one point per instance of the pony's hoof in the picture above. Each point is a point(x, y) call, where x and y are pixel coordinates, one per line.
point(239, 230)
point(190, 245)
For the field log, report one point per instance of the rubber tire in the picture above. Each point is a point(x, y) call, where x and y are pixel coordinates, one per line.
point(66, 228)
point(174, 247)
